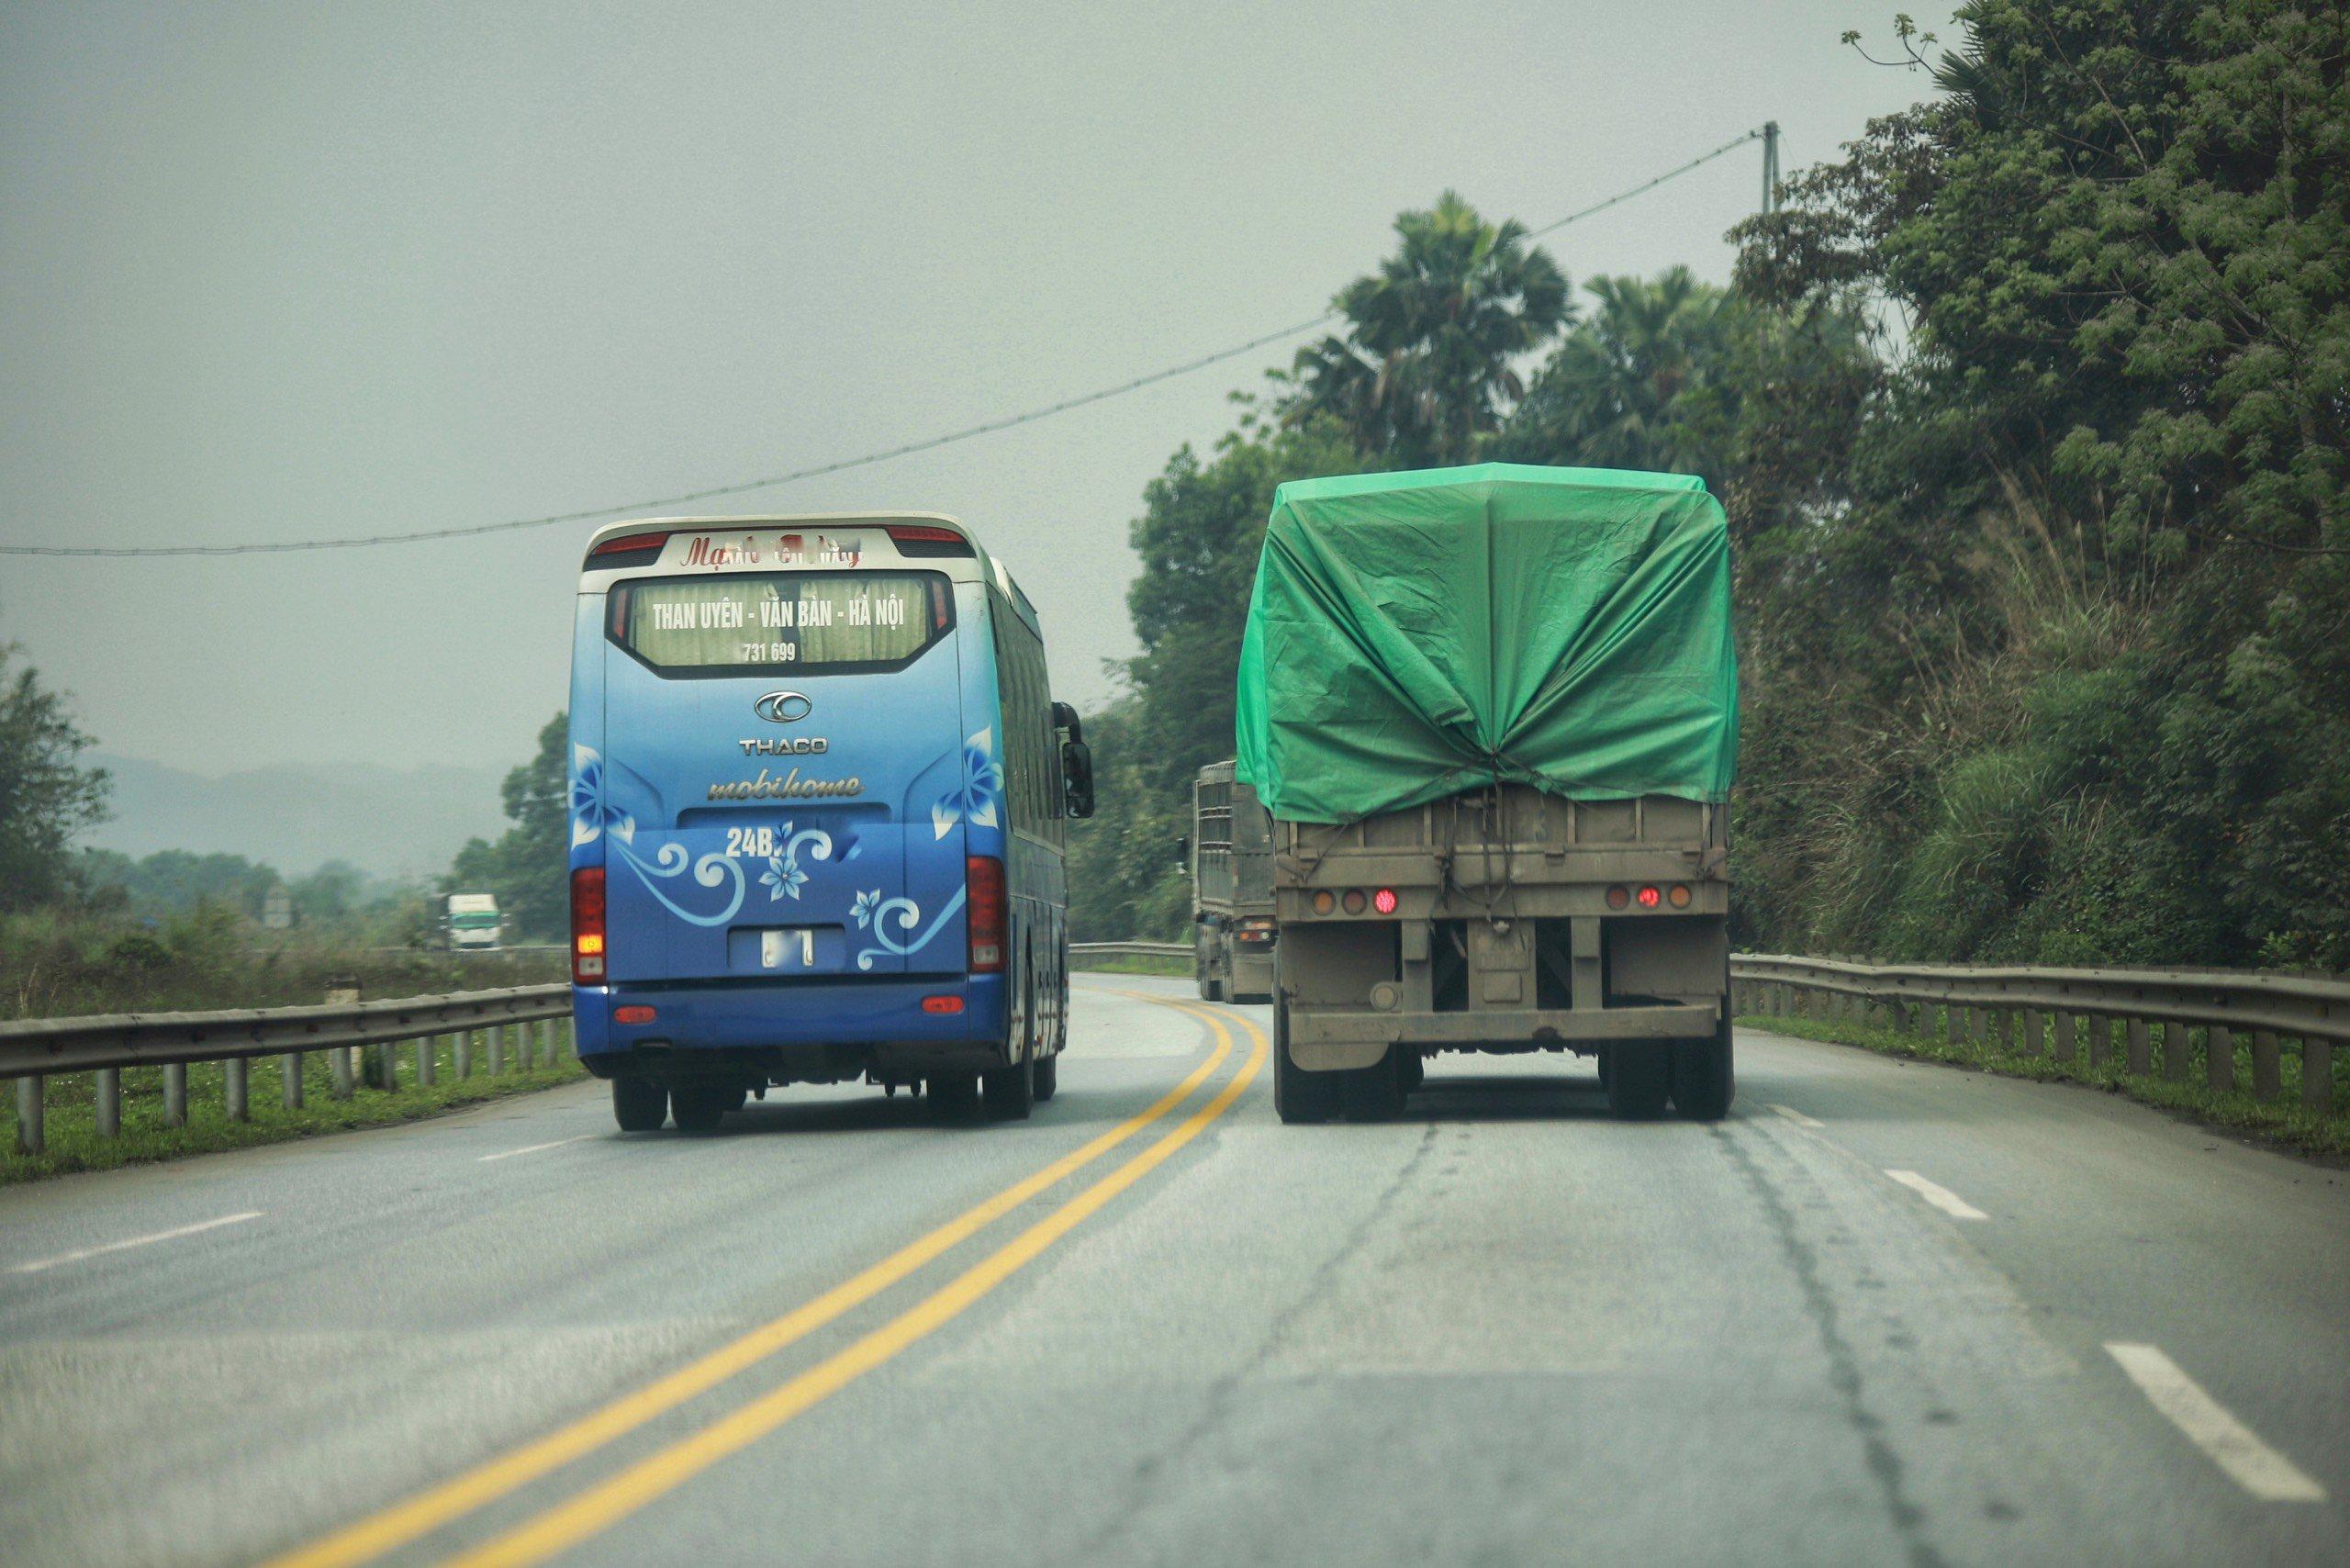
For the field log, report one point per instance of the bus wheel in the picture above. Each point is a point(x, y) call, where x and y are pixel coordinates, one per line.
point(1298, 1095)
point(700, 1107)
point(953, 1094)
point(1048, 1077)
point(639, 1104)
point(1012, 1090)
point(1638, 1079)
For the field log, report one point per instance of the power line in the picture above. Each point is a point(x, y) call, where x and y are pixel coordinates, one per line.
point(930, 443)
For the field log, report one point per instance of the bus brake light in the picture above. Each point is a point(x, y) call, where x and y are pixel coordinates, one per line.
point(984, 913)
point(588, 925)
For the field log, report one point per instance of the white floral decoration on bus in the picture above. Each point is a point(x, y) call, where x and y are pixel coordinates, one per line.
point(784, 878)
point(872, 912)
point(973, 799)
point(591, 813)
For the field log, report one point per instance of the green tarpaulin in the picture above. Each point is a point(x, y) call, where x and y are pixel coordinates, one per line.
point(1412, 636)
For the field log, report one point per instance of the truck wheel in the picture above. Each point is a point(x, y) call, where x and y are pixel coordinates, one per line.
point(1012, 1090)
point(1416, 1071)
point(1638, 1082)
point(699, 1107)
point(1207, 987)
point(639, 1104)
point(952, 1095)
point(1375, 1093)
point(1704, 1079)
point(1298, 1095)
point(1048, 1077)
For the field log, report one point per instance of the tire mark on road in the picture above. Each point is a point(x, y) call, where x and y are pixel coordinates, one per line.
point(1843, 1365)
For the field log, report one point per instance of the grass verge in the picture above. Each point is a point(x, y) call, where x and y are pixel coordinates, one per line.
point(1181, 968)
point(2283, 1121)
point(75, 1143)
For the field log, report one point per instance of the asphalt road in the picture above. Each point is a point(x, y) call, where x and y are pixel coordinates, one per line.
point(1153, 1326)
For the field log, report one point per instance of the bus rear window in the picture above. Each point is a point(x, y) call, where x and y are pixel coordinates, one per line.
point(803, 619)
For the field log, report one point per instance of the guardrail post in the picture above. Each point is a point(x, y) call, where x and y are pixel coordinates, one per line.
point(2220, 1058)
point(461, 1054)
point(32, 1114)
point(428, 1053)
point(497, 1049)
point(338, 1062)
point(2317, 1073)
point(2035, 1033)
point(290, 1067)
point(2174, 1050)
point(2100, 1029)
point(2141, 1053)
point(233, 1087)
point(2003, 1030)
point(2267, 1066)
point(2064, 1036)
point(106, 1094)
point(175, 1093)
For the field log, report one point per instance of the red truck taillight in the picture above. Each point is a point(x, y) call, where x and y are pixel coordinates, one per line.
point(588, 925)
point(984, 913)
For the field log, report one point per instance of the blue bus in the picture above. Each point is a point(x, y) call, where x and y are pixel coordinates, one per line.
point(818, 783)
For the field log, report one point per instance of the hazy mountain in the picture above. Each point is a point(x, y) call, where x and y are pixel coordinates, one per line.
point(380, 819)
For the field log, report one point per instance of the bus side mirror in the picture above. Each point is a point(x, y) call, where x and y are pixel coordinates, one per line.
point(1184, 852)
point(1065, 720)
point(1077, 778)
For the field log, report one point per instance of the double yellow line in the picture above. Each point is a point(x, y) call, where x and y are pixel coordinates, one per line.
point(609, 1501)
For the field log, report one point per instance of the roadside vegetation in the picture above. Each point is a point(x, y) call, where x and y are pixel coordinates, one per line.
point(1131, 965)
point(2284, 1120)
point(2027, 413)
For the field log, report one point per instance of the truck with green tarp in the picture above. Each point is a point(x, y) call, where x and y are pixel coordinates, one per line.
point(1492, 712)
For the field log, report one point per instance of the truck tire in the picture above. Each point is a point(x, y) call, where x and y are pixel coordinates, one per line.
point(1374, 1094)
point(1048, 1077)
point(1705, 1079)
point(639, 1104)
point(700, 1107)
point(1011, 1090)
point(1639, 1081)
point(1299, 1096)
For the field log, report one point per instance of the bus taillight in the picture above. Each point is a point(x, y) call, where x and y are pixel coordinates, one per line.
point(588, 925)
point(984, 913)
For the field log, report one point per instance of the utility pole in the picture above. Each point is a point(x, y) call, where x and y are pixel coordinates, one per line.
point(1769, 167)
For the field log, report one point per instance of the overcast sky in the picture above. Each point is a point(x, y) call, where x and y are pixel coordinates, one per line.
point(272, 272)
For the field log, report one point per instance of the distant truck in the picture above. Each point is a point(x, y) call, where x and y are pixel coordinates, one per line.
point(1232, 888)
point(1492, 712)
point(471, 922)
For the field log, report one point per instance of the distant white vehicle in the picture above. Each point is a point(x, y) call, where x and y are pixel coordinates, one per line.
point(471, 922)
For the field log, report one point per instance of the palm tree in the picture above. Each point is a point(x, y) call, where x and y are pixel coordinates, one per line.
point(1425, 366)
point(1619, 391)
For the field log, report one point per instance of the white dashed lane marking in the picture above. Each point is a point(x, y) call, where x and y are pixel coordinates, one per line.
point(533, 1149)
point(2226, 1441)
point(1941, 1197)
point(1798, 1117)
point(129, 1242)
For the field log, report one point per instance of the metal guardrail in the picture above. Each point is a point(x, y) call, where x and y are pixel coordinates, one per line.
point(32, 1051)
point(1130, 949)
point(2179, 1014)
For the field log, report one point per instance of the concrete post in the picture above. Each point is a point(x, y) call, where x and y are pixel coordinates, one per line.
point(339, 1063)
point(290, 1066)
point(2100, 1029)
point(2317, 1073)
point(2267, 1066)
point(107, 1095)
point(2035, 1033)
point(2065, 1035)
point(32, 1114)
point(1954, 1024)
point(2220, 1058)
point(462, 1054)
point(427, 1052)
point(175, 1093)
point(234, 1089)
point(2140, 1052)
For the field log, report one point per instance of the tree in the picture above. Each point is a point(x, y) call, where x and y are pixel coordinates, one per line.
point(528, 867)
point(1622, 389)
point(46, 795)
point(1427, 364)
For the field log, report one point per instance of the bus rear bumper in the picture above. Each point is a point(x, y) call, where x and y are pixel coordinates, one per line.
point(809, 1030)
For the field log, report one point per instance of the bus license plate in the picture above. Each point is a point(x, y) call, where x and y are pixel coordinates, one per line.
point(787, 948)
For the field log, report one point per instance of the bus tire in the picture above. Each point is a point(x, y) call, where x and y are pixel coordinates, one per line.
point(700, 1107)
point(1299, 1096)
point(639, 1104)
point(1012, 1090)
point(1638, 1082)
point(1048, 1077)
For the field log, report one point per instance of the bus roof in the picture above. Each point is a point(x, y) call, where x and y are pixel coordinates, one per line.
point(978, 566)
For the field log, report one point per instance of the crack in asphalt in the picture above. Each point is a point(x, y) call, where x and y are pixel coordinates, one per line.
point(1151, 1471)
point(1844, 1365)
